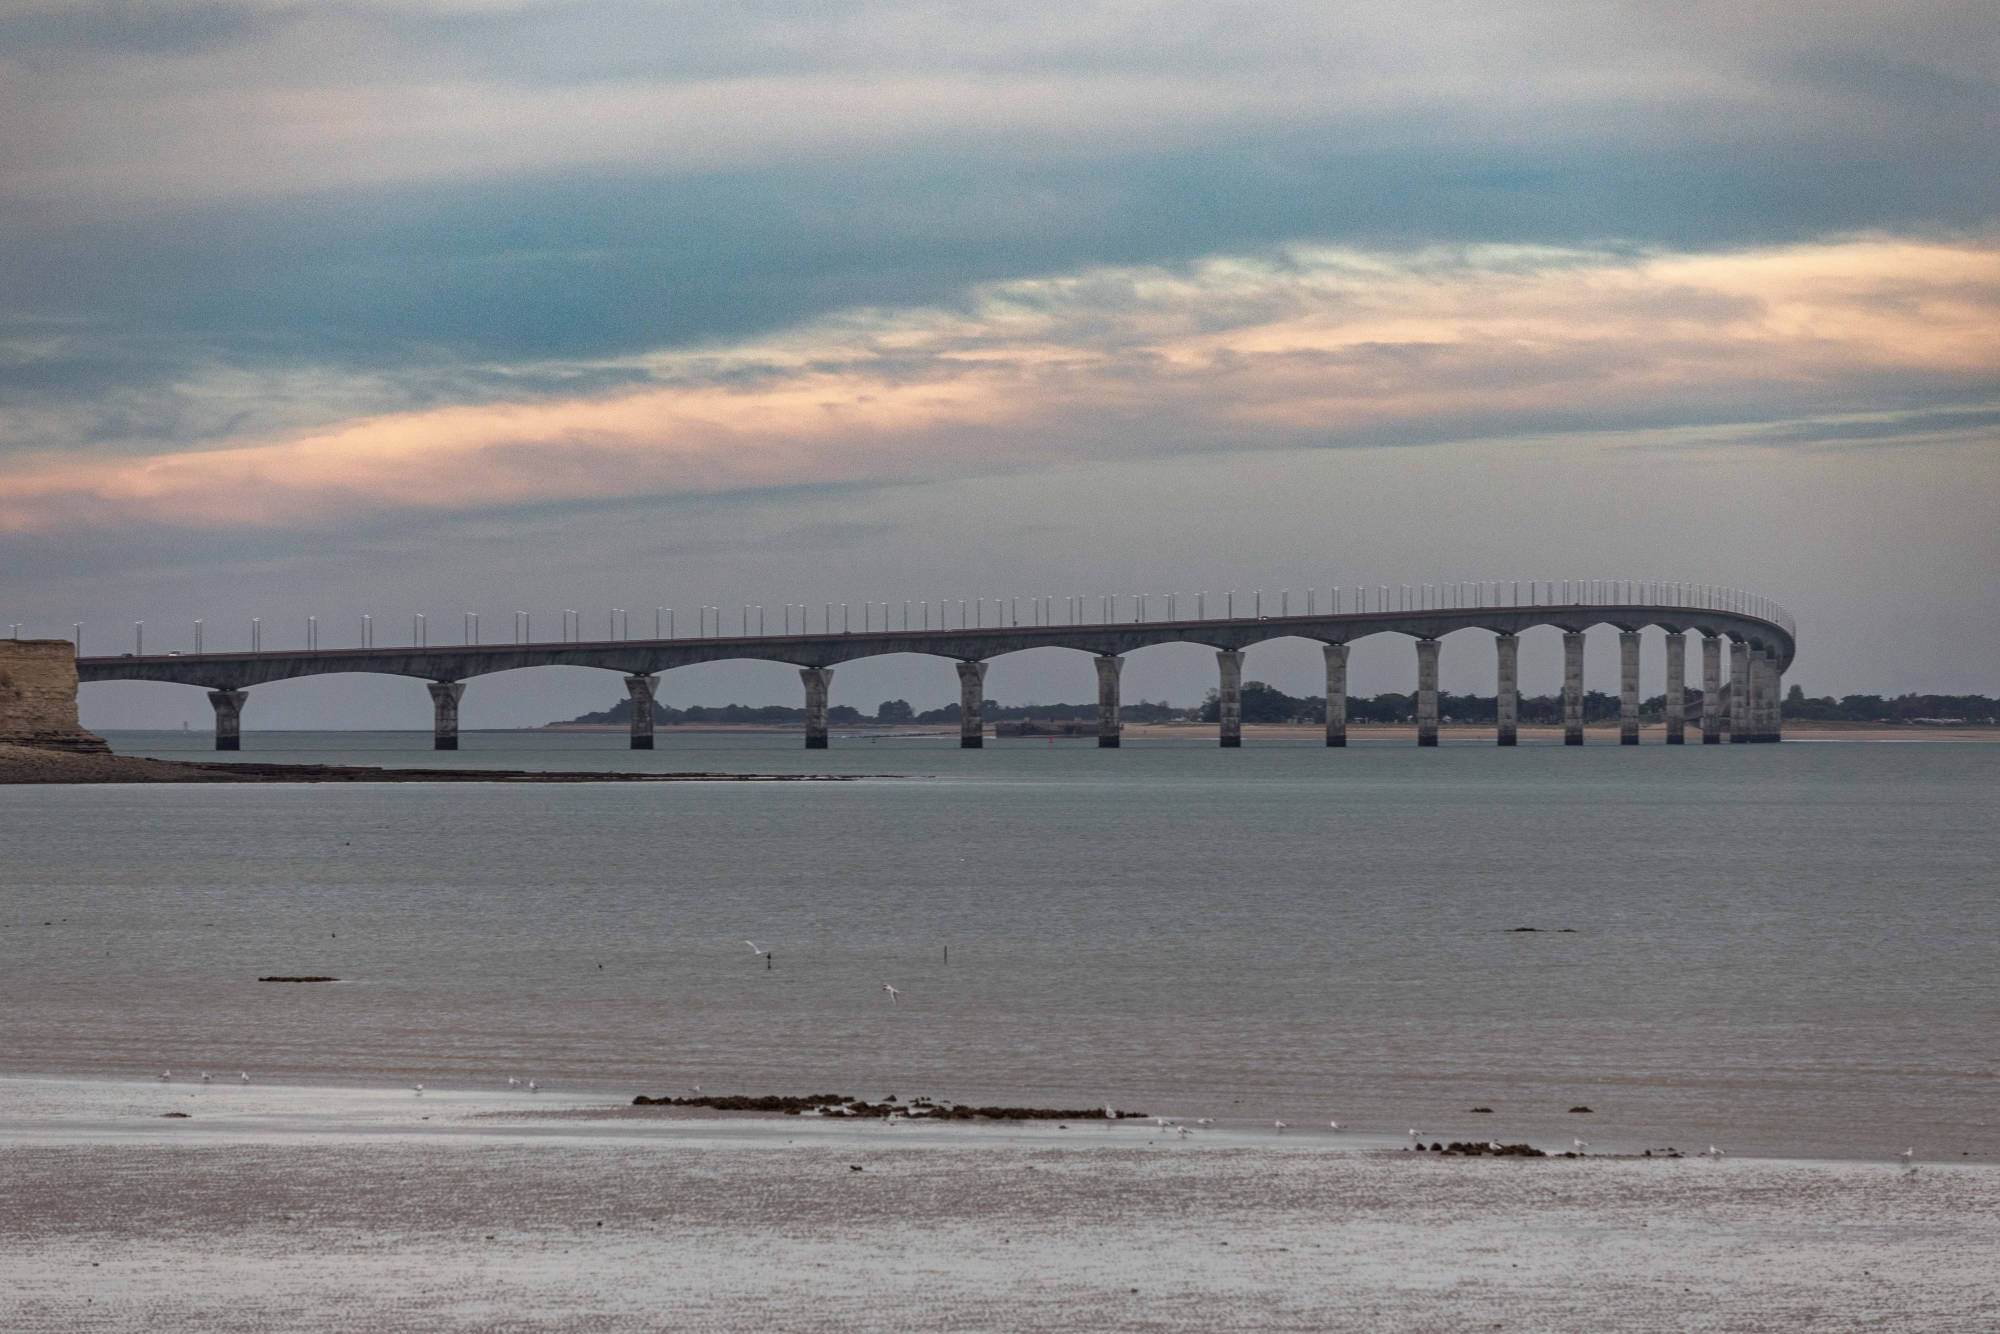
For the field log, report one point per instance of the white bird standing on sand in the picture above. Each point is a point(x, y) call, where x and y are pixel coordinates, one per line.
point(419, 1090)
point(242, 1076)
point(893, 992)
point(1333, 1125)
point(1416, 1133)
point(533, 1087)
point(1713, 1152)
point(166, 1076)
point(1909, 1159)
point(1581, 1144)
point(207, 1078)
point(1204, 1120)
point(512, 1082)
point(1278, 1125)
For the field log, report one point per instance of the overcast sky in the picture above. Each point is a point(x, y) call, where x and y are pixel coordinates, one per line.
point(389, 306)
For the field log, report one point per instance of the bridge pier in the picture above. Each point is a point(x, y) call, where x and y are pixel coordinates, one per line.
point(1711, 690)
point(1427, 692)
point(1229, 697)
point(1739, 692)
point(1336, 694)
point(1507, 705)
point(444, 713)
point(819, 680)
point(1628, 687)
point(1572, 687)
point(641, 687)
point(1676, 708)
point(1764, 669)
point(1108, 667)
point(228, 717)
point(972, 704)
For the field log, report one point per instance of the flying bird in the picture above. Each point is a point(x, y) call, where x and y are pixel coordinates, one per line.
point(893, 992)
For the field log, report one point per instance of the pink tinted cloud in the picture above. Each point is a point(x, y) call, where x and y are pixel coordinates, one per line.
point(1312, 346)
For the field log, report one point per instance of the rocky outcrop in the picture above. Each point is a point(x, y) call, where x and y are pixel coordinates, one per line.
point(38, 697)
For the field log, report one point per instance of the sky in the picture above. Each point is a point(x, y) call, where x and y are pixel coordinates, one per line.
point(386, 307)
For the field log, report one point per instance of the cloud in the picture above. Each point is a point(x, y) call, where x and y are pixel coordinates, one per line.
point(1307, 346)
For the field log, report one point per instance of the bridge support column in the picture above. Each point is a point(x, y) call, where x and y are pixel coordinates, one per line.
point(1507, 705)
point(1764, 671)
point(1572, 687)
point(1427, 692)
point(444, 713)
point(819, 680)
point(1711, 690)
point(1739, 692)
point(972, 705)
point(1229, 696)
point(228, 717)
point(641, 687)
point(1677, 666)
point(1628, 687)
point(1336, 694)
point(1777, 732)
point(1108, 667)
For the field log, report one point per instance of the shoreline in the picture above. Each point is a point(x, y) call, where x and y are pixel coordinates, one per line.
point(382, 1220)
point(1649, 734)
point(27, 765)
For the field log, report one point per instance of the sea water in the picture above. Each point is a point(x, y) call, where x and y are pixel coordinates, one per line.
point(1783, 949)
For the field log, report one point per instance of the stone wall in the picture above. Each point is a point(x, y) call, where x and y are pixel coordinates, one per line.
point(38, 696)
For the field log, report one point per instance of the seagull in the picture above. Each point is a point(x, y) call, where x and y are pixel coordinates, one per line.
point(512, 1082)
point(1279, 1125)
point(207, 1078)
point(1581, 1144)
point(166, 1075)
point(533, 1087)
point(419, 1090)
point(1333, 1125)
point(242, 1076)
point(893, 992)
point(1493, 1144)
point(761, 953)
point(1908, 1156)
point(1110, 1112)
point(1416, 1133)
point(1713, 1152)
point(1204, 1120)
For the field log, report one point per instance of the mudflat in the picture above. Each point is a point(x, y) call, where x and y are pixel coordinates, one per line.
point(329, 1209)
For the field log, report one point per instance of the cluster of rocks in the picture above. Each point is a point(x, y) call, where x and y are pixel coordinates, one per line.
point(918, 1109)
point(1484, 1149)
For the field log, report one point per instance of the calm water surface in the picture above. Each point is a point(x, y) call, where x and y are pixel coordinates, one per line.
point(1785, 949)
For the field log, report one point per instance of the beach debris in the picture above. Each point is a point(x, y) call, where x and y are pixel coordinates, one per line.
point(856, 1167)
point(175, 1116)
point(839, 1104)
point(1482, 1110)
point(1487, 1149)
point(298, 979)
point(1581, 1108)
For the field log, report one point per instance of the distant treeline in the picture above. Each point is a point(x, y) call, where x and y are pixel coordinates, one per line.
point(1264, 703)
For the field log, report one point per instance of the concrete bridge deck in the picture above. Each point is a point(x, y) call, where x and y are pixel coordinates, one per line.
point(1760, 635)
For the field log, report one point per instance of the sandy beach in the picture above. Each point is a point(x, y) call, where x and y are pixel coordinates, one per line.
point(322, 1209)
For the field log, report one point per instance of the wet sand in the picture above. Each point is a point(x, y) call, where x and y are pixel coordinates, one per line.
point(313, 1209)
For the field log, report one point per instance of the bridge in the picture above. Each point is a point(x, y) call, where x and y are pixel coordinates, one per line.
point(1760, 638)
